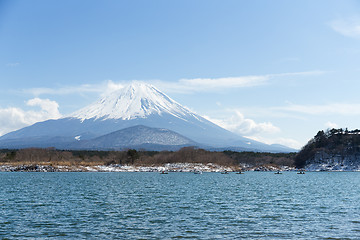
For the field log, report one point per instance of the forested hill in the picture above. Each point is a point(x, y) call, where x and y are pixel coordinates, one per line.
point(334, 149)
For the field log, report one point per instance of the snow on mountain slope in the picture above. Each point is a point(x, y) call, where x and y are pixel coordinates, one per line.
point(137, 100)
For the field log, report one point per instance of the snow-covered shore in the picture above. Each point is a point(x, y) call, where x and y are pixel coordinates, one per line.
point(334, 162)
point(318, 167)
point(169, 167)
point(174, 167)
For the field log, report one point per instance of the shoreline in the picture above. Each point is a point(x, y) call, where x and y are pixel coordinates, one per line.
point(169, 167)
point(144, 169)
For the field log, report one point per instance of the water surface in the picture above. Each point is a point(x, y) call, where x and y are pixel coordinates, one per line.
point(254, 205)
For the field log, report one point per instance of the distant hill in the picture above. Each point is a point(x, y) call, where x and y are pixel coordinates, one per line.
point(333, 150)
point(137, 137)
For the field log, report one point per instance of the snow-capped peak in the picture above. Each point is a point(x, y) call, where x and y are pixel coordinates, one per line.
point(136, 100)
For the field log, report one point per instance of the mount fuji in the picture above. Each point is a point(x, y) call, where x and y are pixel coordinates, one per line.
point(138, 113)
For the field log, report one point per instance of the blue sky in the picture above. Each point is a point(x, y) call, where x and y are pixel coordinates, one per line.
point(275, 71)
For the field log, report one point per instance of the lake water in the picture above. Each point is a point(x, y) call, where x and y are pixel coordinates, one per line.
point(254, 205)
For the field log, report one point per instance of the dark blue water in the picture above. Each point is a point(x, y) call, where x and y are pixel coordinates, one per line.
point(254, 205)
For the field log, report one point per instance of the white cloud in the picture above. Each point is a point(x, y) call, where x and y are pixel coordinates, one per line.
point(14, 118)
point(111, 86)
point(349, 27)
point(49, 109)
point(331, 125)
point(11, 119)
point(237, 123)
point(263, 132)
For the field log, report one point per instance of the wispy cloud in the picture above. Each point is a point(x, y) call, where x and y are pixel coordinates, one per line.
point(305, 73)
point(103, 87)
point(228, 82)
point(62, 90)
point(345, 109)
point(184, 86)
point(15, 118)
point(305, 111)
point(187, 86)
point(215, 84)
point(349, 27)
point(15, 64)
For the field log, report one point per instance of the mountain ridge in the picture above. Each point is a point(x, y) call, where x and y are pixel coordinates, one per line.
point(136, 104)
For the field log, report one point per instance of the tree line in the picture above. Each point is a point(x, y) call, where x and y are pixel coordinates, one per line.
point(333, 141)
point(51, 156)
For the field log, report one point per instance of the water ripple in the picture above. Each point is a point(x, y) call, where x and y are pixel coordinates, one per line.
point(179, 206)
